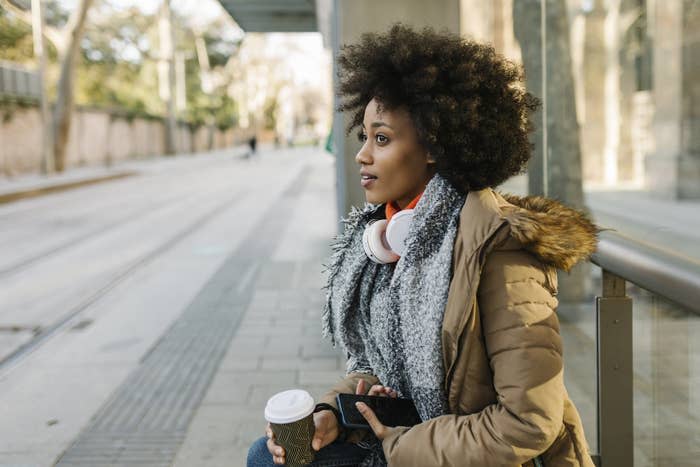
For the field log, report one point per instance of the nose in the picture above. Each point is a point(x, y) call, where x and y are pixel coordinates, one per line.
point(363, 157)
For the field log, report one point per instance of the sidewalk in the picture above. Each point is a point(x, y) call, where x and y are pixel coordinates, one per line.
point(253, 329)
point(278, 344)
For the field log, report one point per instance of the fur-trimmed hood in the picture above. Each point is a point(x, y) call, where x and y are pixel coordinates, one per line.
point(557, 234)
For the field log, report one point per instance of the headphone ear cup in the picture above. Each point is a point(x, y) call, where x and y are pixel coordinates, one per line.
point(375, 245)
point(397, 231)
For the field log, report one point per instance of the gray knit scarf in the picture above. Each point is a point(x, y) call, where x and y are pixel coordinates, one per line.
point(388, 317)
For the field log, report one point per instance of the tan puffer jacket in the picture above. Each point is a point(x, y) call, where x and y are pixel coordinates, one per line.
point(501, 345)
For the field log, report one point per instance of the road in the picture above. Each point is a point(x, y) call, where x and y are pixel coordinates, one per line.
point(90, 279)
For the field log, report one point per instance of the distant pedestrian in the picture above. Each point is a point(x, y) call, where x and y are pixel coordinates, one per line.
point(252, 147)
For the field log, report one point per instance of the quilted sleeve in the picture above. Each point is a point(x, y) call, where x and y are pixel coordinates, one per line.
point(521, 331)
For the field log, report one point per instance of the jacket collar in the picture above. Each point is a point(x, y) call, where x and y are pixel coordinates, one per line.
point(556, 234)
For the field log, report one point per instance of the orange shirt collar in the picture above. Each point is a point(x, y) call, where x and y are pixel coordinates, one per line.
point(392, 208)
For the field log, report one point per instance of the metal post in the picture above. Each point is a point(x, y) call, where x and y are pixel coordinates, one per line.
point(545, 116)
point(614, 374)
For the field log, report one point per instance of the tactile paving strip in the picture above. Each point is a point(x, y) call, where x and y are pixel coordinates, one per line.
point(146, 420)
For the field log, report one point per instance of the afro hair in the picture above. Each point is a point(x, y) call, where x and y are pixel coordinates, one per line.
point(468, 104)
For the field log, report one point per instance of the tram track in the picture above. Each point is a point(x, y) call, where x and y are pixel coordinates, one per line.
point(76, 240)
point(26, 262)
point(73, 314)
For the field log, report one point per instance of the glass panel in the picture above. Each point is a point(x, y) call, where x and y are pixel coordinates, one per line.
point(578, 330)
point(666, 382)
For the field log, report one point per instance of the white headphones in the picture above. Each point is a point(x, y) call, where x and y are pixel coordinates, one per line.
point(385, 242)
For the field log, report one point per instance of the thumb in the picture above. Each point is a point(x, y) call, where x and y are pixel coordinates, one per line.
point(361, 387)
point(320, 433)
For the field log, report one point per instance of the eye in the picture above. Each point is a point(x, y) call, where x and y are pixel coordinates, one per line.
point(382, 139)
point(362, 136)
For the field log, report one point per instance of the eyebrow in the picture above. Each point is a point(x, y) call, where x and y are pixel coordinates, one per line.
point(378, 124)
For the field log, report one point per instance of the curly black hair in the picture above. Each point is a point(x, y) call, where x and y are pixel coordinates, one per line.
point(468, 103)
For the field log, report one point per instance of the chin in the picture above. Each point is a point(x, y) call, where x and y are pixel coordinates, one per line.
point(374, 199)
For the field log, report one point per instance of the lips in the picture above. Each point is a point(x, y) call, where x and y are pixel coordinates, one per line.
point(367, 178)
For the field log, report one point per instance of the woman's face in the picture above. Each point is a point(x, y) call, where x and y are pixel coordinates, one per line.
point(395, 164)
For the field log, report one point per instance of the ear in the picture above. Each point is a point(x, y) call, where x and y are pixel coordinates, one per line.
point(430, 159)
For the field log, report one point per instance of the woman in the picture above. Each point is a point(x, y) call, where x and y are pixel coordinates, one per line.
point(463, 323)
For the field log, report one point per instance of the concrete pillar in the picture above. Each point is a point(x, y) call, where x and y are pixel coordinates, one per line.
point(673, 169)
point(348, 20)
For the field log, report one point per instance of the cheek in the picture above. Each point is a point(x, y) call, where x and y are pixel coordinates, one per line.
point(407, 171)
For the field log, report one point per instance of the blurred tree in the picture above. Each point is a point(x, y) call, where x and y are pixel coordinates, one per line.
point(119, 48)
point(63, 108)
point(562, 149)
point(67, 42)
point(15, 39)
point(16, 31)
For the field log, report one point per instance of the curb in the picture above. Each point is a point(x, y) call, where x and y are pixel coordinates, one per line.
point(40, 191)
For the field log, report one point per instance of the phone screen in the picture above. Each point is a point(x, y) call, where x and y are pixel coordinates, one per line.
point(390, 411)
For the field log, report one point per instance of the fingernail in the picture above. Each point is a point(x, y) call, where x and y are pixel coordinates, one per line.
point(359, 405)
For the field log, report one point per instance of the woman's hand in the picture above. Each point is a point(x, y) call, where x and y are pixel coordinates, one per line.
point(326, 431)
point(326, 425)
point(275, 449)
point(377, 390)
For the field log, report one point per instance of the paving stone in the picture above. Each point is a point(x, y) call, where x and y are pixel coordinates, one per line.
point(233, 387)
point(220, 436)
point(259, 320)
point(237, 363)
point(320, 376)
point(311, 363)
point(248, 349)
point(318, 349)
point(260, 393)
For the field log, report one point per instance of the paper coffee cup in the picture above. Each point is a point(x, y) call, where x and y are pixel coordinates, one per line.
point(290, 414)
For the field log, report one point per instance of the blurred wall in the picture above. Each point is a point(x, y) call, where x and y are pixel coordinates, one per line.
point(99, 137)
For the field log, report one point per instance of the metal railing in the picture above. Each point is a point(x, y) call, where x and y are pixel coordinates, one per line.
point(665, 274)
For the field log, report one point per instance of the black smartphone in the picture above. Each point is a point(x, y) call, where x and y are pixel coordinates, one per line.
point(390, 411)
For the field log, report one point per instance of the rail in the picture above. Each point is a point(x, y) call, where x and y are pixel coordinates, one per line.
point(670, 276)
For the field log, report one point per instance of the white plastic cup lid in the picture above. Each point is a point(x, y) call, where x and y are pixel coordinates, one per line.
point(289, 406)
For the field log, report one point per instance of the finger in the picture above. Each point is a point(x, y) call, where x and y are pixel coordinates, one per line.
point(275, 450)
point(318, 438)
point(391, 392)
point(360, 389)
point(376, 390)
point(323, 426)
point(371, 418)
